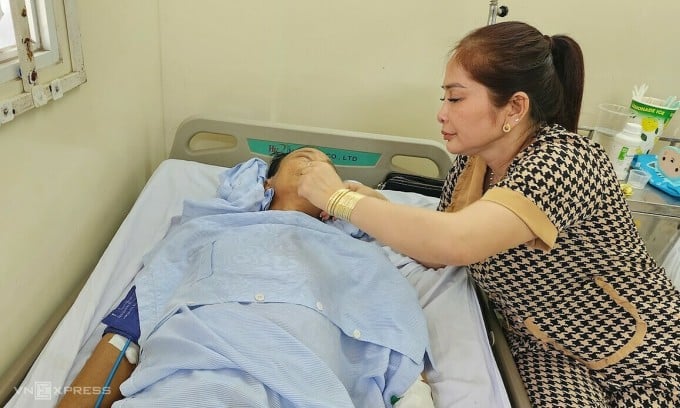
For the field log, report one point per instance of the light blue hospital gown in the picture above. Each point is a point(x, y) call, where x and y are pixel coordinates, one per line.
point(273, 309)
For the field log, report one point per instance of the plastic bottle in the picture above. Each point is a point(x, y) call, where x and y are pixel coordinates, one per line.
point(626, 144)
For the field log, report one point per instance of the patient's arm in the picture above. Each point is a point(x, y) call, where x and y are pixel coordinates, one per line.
point(83, 392)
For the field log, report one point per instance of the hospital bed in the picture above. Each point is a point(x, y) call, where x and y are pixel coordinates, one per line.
point(473, 365)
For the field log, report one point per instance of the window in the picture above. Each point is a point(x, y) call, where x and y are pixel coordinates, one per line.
point(40, 54)
point(42, 30)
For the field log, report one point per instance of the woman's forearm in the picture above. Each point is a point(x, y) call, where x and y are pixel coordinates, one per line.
point(437, 238)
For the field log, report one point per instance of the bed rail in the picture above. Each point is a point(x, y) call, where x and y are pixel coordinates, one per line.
point(366, 157)
point(512, 380)
point(22, 364)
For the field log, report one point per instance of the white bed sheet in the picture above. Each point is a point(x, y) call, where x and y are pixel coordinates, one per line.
point(466, 374)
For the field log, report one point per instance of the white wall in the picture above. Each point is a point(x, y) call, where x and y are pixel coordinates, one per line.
point(376, 66)
point(71, 169)
point(373, 66)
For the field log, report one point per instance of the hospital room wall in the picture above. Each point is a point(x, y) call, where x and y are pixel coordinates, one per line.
point(376, 66)
point(72, 168)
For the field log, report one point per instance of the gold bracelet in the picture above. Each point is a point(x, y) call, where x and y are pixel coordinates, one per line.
point(333, 200)
point(347, 203)
point(342, 203)
point(331, 207)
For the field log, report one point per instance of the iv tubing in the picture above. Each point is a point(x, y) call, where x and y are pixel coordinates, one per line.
point(111, 374)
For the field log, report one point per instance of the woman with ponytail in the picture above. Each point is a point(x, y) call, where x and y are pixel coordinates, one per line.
point(536, 213)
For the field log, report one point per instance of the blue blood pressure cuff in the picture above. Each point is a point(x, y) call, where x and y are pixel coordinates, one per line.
point(124, 319)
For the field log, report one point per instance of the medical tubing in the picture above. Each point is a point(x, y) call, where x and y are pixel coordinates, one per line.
point(111, 374)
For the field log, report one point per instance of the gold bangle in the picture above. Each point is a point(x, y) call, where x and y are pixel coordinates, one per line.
point(333, 200)
point(342, 203)
point(344, 207)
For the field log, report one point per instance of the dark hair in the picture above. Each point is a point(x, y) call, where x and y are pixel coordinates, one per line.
point(277, 158)
point(512, 56)
point(275, 163)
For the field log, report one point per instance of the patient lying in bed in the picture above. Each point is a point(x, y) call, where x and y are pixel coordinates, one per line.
point(242, 307)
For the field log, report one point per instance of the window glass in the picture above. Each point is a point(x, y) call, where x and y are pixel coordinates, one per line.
point(6, 28)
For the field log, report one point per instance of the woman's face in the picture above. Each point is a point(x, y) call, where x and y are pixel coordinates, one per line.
point(470, 122)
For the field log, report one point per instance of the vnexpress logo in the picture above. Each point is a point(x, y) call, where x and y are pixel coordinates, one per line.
point(43, 390)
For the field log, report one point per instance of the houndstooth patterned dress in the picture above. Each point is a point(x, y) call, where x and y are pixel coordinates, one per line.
point(591, 319)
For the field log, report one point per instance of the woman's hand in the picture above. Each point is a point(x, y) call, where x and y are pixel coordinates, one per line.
point(318, 181)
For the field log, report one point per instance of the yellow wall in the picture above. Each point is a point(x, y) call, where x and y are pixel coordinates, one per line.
point(376, 66)
point(71, 169)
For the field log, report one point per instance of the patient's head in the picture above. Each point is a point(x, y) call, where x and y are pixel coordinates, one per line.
point(284, 175)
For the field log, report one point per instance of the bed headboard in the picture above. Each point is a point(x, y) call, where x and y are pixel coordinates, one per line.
point(366, 157)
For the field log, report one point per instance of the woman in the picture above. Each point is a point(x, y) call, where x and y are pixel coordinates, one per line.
point(536, 212)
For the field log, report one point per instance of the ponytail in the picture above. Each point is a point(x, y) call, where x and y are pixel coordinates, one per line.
point(569, 67)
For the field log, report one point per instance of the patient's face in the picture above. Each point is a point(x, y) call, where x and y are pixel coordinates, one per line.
point(285, 181)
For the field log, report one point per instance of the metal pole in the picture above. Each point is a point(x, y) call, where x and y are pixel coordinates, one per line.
point(493, 12)
point(496, 11)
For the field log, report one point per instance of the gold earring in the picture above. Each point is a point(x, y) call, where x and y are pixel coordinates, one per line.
point(506, 128)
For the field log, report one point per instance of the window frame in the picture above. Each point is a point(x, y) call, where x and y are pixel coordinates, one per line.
point(36, 91)
point(47, 46)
